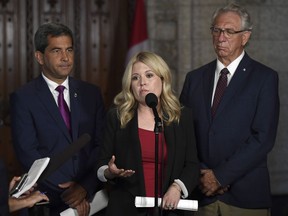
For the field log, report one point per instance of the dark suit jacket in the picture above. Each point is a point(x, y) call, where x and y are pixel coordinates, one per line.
point(236, 143)
point(182, 161)
point(38, 131)
point(4, 209)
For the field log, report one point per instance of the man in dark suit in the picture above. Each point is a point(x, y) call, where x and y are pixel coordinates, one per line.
point(234, 137)
point(39, 130)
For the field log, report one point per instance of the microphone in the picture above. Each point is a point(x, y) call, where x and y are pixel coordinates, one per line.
point(152, 101)
point(57, 160)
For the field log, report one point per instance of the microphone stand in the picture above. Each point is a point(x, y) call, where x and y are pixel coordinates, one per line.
point(157, 130)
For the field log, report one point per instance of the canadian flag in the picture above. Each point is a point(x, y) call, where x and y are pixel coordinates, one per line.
point(139, 34)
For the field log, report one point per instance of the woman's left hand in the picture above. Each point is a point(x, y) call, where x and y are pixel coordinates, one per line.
point(171, 198)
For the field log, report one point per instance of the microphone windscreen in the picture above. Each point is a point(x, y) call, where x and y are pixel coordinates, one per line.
point(151, 100)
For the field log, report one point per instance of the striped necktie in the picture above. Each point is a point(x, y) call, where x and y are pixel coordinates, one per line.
point(220, 88)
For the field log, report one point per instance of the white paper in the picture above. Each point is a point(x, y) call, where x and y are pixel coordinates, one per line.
point(33, 174)
point(189, 205)
point(69, 212)
point(99, 202)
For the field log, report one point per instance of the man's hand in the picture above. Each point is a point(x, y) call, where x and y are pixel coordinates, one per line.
point(73, 195)
point(222, 190)
point(83, 208)
point(209, 184)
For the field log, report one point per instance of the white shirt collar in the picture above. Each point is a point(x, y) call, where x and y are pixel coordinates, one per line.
point(53, 85)
point(231, 67)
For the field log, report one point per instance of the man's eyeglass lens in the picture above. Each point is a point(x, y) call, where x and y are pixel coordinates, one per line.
point(227, 32)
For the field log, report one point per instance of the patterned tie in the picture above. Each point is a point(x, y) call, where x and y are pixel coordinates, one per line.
point(220, 88)
point(63, 107)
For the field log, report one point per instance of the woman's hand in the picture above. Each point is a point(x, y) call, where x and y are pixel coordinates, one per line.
point(15, 180)
point(112, 171)
point(171, 197)
point(25, 201)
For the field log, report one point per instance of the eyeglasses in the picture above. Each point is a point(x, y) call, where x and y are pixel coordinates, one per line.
point(227, 32)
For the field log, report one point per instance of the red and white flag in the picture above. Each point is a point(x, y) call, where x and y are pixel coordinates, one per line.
point(139, 34)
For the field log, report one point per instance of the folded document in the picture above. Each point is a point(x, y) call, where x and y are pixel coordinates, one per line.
point(100, 201)
point(189, 205)
point(32, 176)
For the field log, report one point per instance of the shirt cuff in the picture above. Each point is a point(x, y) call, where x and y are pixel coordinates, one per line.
point(183, 188)
point(100, 173)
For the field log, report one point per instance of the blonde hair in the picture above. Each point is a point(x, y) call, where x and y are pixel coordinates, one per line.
point(170, 109)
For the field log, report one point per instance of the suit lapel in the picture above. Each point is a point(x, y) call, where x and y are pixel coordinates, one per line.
point(74, 106)
point(208, 81)
point(45, 96)
point(236, 82)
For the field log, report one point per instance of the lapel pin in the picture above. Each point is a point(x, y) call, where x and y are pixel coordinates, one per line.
point(244, 69)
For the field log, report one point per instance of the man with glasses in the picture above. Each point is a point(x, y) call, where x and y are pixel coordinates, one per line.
point(236, 109)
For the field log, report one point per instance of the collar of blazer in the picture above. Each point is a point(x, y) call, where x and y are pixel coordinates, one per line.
point(237, 81)
point(46, 98)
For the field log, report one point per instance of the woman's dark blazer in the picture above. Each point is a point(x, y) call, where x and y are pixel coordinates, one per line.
point(124, 143)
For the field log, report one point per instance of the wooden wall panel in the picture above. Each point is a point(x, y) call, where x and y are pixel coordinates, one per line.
point(12, 70)
point(100, 19)
point(12, 52)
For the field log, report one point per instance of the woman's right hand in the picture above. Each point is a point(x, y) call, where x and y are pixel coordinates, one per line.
point(25, 201)
point(112, 171)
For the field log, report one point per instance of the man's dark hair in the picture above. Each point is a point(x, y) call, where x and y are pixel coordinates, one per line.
point(50, 29)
